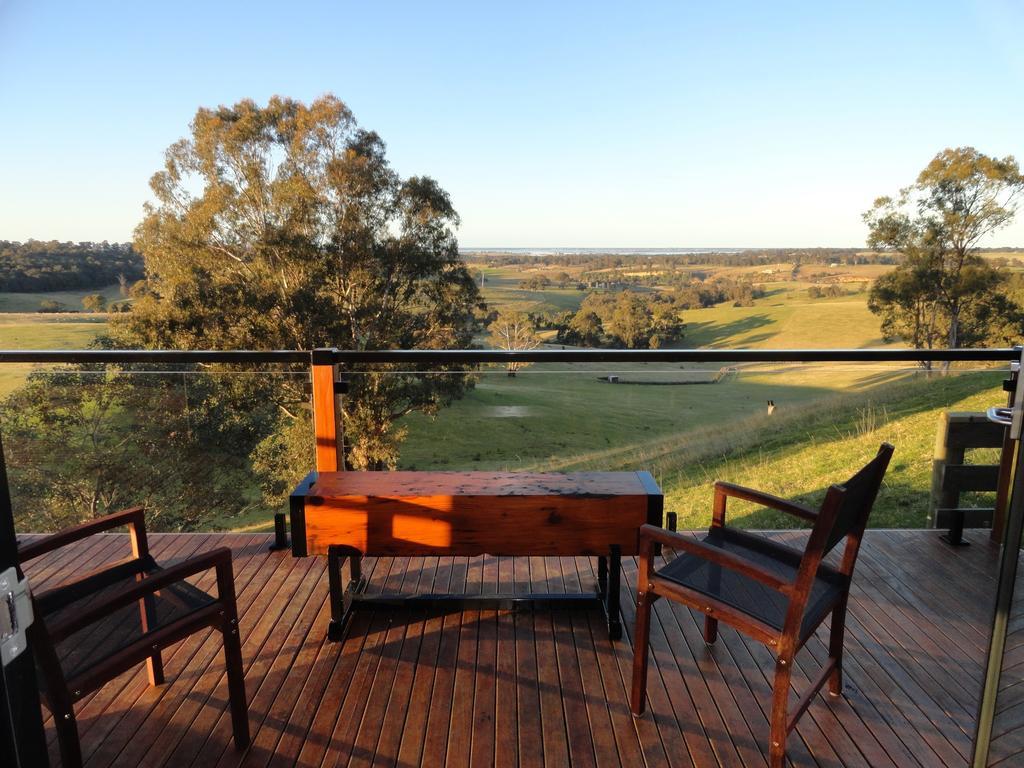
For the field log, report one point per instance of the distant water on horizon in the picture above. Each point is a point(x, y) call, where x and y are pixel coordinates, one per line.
point(576, 251)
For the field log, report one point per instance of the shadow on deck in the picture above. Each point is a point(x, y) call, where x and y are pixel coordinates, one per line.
point(545, 688)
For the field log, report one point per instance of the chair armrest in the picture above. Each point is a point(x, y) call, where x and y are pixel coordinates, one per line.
point(723, 489)
point(134, 517)
point(219, 558)
point(650, 534)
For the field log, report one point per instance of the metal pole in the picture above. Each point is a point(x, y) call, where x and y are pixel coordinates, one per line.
point(280, 533)
point(1009, 558)
point(22, 738)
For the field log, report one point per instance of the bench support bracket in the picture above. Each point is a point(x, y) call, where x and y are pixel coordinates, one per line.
point(346, 598)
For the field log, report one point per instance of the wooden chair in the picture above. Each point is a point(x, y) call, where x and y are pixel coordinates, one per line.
point(93, 627)
point(774, 593)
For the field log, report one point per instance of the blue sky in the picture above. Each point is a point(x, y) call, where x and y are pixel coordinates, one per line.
point(551, 124)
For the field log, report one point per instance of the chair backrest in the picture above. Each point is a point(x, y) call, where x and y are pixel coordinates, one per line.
point(843, 513)
point(851, 513)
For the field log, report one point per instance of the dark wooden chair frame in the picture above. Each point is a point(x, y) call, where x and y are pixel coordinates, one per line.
point(221, 614)
point(784, 644)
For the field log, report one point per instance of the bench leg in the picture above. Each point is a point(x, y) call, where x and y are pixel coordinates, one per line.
point(602, 576)
point(955, 535)
point(340, 597)
point(612, 595)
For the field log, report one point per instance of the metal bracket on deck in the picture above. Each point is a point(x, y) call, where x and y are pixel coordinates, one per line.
point(345, 599)
point(15, 615)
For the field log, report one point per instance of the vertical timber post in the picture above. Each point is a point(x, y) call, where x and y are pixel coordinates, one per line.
point(325, 413)
point(939, 461)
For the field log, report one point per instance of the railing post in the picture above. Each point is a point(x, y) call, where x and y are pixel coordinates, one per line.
point(280, 533)
point(326, 426)
point(1005, 464)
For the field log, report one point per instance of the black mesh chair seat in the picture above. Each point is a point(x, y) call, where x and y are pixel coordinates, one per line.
point(748, 595)
point(117, 630)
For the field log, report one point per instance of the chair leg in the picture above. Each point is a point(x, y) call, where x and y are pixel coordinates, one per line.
point(155, 663)
point(710, 630)
point(236, 684)
point(233, 655)
point(780, 707)
point(155, 669)
point(58, 698)
point(641, 635)
point(67, 733)
point(835, 649)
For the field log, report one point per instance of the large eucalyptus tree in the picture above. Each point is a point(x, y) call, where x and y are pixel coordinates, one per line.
point(944, 292)
point(284, 227)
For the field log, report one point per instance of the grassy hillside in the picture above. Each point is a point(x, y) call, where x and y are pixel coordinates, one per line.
point(501, 291)
point(553, 413)
point(829, 418)
point(22, 327)
point(799, 454)
point(786, 318)
point(688, 436)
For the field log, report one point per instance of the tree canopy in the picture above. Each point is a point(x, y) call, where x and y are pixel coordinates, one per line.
point(944, 291)
point(625, 319)
point(284, 227)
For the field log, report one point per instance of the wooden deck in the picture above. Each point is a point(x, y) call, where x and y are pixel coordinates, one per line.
point(546, 688)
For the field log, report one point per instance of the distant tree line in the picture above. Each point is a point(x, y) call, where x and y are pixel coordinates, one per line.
point(37, 266)
point(747, 258)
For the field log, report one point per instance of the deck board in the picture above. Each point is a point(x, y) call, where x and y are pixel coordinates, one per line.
point(460, 688)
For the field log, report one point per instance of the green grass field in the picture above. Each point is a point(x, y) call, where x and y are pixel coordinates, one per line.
point(57, 331)
point(22, 327)
point(29, 302)
point(553, 413)
point(801, 455)
point(666, 418)
point(501, 291)
point(786, 318)
point(829, 418)
point(688, 436)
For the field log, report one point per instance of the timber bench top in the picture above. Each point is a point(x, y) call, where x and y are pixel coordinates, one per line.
point(418, 484)
point(469, 513)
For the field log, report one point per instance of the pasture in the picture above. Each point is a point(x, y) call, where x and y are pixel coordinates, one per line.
point(668, 418)
point(38, 331)
point(29, 302)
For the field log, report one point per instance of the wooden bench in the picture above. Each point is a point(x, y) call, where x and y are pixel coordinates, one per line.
point(347, 515)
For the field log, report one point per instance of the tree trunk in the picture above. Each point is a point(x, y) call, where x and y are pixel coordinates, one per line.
point(954, 335)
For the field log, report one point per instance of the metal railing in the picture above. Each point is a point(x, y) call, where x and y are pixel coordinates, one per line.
point(473, 356)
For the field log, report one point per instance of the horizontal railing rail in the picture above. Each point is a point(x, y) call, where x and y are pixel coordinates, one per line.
point(472, 356)
point(170, 356)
